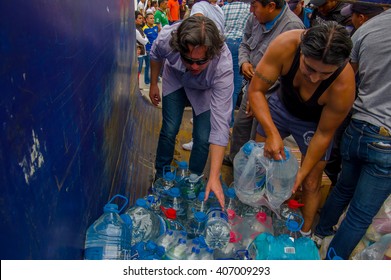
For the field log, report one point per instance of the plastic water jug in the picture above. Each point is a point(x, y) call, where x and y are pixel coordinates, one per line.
point(196, 226)
point(147, 251)
point(178, 251)
point(161, 185)
point(146, 225)
point(250, 173)
point(217, 232)
point(108, 238)
point(154, 203)
point(198, 205)
point(174, 200)
point(280, 183)
point(191, 186)
point(182, 170)
point(232, 202)
point(170, 238)
point(254, 225)
point(170, 217)
point(286, 211)
point(229, 251)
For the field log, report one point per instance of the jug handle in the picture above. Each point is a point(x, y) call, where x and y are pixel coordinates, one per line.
point(120, 196)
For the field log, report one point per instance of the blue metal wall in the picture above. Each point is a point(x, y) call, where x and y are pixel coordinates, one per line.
point(67, 78)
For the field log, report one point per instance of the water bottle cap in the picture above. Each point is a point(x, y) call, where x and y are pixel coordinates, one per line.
point(195, 250)
point(152, 198)
point(160, 251)
point(292, 225)
point(182, 164)
point(201, 196)
point(127, 220)
point(261, 217)
point(141, 202)
point(169, 176)
point(195, 241)
point(230, 193)
point(294, 204)
point(200, 216)
point(151, 246)
point(181, 241)
point(231, 214)
point(170, 232)
point(193, 178)
point(110, 207)
point(209, 250)
point(248, 147)
point(171, 213)
point(174, 192)
point(232, 237)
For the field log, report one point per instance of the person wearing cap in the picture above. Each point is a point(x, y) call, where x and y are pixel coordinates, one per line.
point(316, 93)
point(304, 13)
point(326, 10)
point(361, 12)
point(365, 180)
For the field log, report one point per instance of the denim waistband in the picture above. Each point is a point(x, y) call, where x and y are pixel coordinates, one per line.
point(380, 130)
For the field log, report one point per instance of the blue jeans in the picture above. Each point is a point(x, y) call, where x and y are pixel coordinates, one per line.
point(364, 182)
point(233, 46)
point(147, 80)
point(140, 60)
point(172, 109)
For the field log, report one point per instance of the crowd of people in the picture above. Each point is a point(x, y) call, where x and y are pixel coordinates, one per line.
point(315, 71)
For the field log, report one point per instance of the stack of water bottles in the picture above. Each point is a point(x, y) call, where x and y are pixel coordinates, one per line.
point(176, 223)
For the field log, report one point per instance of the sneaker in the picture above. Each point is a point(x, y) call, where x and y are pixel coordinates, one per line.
point(317, 240)
point(188, 146)
point(191, 120)
point(227, 161)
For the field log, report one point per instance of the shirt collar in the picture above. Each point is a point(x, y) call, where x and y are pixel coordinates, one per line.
point(269, 25)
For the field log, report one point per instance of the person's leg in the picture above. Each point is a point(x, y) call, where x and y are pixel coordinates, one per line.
point(172, 110)
point(241, 130)
point(370, 155)
point(146, 69)
point(311, 195)
point(200, 151)
point(233, 46)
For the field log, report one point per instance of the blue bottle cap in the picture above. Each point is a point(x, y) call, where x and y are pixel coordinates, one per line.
point(200, 216)
point(248, 147)
point(201, 196)
point(174, 192)
point(110, 207)
point(151, 246)
point(182, 164)
point(181, 241)
point(141, 202)
point(230, 193)
point(169, 176)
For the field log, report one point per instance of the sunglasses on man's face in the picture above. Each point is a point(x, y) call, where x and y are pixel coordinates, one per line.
point(192, 61)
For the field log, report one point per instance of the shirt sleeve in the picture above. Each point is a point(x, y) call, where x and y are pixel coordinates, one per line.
point(244, 49)
point(141, 39)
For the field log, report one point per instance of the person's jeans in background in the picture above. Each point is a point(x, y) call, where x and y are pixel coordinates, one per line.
point(172, 109)
point(233, 45)
point(364, 182)
point(147, 79)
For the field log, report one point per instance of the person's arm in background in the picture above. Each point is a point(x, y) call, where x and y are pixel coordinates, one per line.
point(245, 66)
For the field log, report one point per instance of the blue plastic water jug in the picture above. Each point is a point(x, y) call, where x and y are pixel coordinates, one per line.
point(108, 238)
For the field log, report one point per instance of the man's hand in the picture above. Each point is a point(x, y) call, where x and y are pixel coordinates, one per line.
point(154, 94)
point(247, 71)
point(215, 186)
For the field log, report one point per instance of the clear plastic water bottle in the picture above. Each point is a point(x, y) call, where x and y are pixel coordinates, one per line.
point(194, 254)
point(217, 231)
point(108, 238)
point(254, 225)
point(178, 251)
point(294, 224)
point(167, 239)
point(229, 251)
point(175, 201)
point(196, 226)
point(206, 254)
point(250, 173)
point(154, 203)
point(146, 225)
point(170, 218)
point(191, 187)
point(161, 185)
point(182, 171)
point(232, 202)
point(280, 185)
point(286, 209)
point(198, 205)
